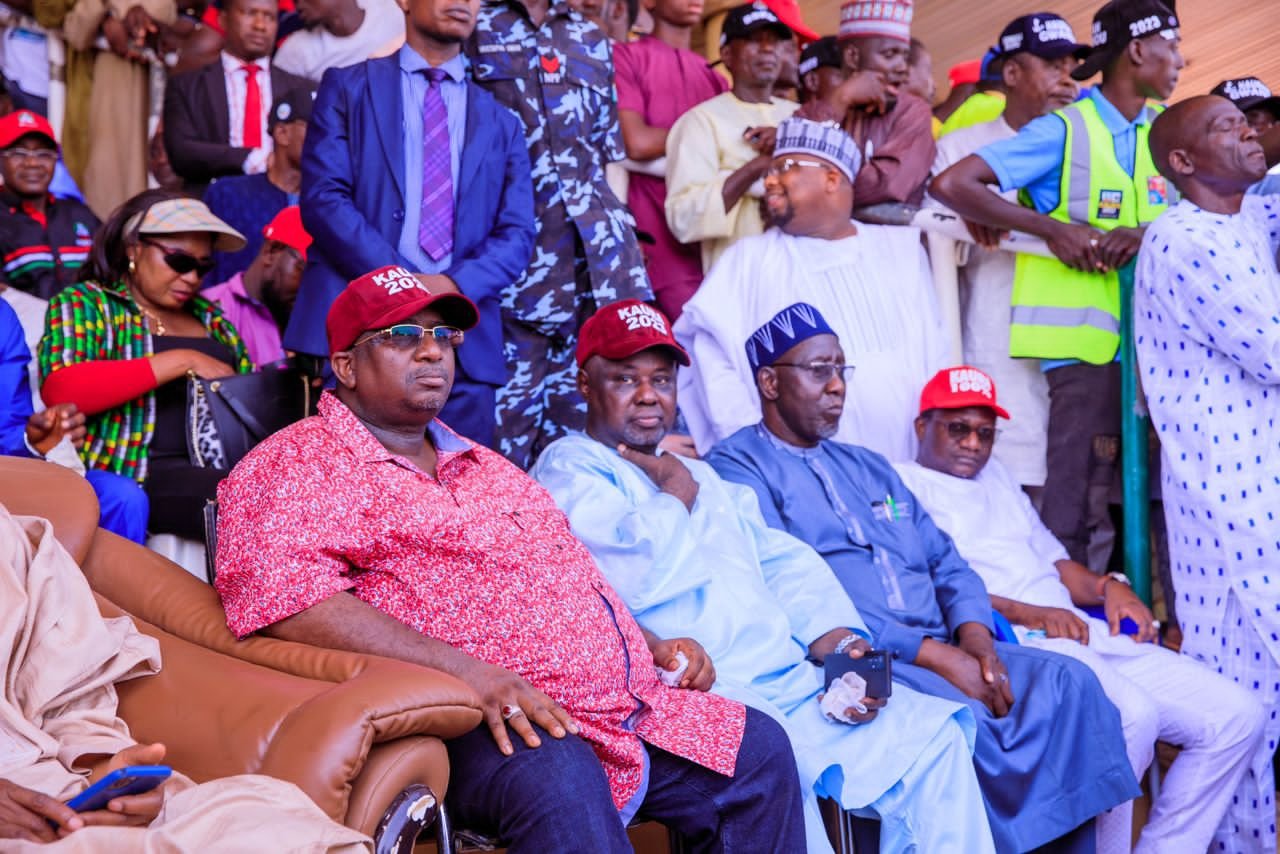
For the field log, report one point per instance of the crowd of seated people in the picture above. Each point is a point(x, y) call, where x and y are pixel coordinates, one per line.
point(623, 405)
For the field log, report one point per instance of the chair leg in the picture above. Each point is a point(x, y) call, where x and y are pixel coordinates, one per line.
point(444, 831)
point(410, 812)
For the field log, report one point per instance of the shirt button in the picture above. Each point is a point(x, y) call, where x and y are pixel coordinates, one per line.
point(398, 216)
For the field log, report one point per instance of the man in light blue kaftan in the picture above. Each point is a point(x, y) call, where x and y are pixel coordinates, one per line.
point(691, 555)
point(1049, 755)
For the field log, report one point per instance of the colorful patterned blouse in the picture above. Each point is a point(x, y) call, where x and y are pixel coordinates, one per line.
point(89, 321)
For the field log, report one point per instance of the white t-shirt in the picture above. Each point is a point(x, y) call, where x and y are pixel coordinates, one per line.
point(309, 53)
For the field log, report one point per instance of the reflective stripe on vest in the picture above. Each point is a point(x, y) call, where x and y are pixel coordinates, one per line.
point(1061, 313)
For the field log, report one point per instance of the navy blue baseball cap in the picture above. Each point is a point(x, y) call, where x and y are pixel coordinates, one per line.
point(1042, 34)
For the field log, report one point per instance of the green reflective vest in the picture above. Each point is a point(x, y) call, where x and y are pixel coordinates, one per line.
point(1061, 313)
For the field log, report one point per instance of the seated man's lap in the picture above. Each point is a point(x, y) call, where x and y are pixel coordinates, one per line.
point(557, 791)
point(560, 789)
point(757, 809)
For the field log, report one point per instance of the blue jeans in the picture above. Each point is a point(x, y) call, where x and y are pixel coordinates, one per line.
point(123, 505)
point(556, 797)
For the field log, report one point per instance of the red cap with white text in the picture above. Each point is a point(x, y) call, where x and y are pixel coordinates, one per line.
point(385, 297)
point(624, 328)
point(959, 388)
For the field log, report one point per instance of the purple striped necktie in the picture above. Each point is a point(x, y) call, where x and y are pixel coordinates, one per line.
point(435, 225)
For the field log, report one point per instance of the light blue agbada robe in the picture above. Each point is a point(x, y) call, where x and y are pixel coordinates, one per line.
point(755, 598)
point(1058, 758)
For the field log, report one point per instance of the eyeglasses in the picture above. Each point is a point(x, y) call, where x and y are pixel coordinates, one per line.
point(408, 336)
point(789, 164)
point(959, 431)
point(821, 372)
point(43, 156)
point(182, 262)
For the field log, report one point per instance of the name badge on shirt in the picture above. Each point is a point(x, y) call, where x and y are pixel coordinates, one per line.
point(551, 70)
point(891, 509)
point(1157, 190)
point(1109, 202)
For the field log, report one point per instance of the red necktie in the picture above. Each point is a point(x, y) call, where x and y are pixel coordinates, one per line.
point(252, 107)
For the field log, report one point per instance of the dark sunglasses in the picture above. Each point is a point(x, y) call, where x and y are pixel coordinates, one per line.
point(182, 262)
point(959, 431)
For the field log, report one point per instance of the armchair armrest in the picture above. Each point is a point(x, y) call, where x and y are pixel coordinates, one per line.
point(220, 715)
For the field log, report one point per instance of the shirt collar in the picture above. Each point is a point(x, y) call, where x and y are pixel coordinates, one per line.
point(781, 445)
point(351, 432)
point(231, 65)
point(1116, 123)
point(411, 61)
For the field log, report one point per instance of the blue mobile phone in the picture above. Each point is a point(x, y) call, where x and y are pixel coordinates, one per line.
point(134, 780)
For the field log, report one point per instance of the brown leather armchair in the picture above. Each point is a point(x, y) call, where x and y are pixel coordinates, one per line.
point(360, 734)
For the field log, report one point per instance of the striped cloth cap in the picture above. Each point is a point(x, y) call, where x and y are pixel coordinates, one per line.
point(820, 139)
point(888, 18)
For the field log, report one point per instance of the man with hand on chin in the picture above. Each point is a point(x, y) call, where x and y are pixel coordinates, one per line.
point(374, 527)
point(1048, 750)
point(1037, 587)
point(691, 554)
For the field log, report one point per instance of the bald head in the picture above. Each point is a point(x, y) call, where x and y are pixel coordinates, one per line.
point(1204, 145)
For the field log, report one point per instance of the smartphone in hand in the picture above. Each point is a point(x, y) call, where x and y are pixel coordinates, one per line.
point(875, 667)
point(133, 780)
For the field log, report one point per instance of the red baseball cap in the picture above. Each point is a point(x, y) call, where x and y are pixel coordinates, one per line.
point(959, 388)
point(20, 123)
point(386, 297)
point(965, 72)
point(624, 328)
point(286, 227)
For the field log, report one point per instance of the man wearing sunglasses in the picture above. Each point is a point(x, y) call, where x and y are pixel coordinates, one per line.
point(374, 527)
point(1042, 592)
point(871, 282)
point(1048, 749)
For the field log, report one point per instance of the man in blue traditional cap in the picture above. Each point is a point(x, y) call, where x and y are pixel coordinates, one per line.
point(690, 553)
point(1050, 755)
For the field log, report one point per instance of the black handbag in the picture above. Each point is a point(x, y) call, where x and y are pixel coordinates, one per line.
point(227, 417)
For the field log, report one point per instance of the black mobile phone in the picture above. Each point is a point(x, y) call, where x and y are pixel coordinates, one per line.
point(876, 667)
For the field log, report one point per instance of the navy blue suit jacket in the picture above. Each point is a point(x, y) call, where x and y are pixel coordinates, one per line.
point(353, 205)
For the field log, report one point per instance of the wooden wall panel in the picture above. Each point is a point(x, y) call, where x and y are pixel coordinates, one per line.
point(1220, 38)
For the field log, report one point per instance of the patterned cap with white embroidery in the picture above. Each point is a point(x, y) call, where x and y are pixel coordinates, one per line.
point(820, 139)
point(789, 327)
point(884, 18)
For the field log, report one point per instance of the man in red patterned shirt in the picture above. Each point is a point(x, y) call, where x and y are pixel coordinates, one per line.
point(375, 528)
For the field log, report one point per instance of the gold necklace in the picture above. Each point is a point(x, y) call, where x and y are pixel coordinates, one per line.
point(159, 330)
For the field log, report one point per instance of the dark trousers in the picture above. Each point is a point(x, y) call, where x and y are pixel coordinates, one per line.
point(556, 797)
point(178, 492)
point(1084, 430)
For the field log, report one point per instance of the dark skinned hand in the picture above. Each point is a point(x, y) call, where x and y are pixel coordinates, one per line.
point(700, 675)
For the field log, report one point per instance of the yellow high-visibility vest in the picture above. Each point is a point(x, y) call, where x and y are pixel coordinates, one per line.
point(1061, 313)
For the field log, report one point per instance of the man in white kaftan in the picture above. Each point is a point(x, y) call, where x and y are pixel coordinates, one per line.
point(58, 723)
point(1032, 581)
point(1207, 327)
point(872, 283)
point(691, 554)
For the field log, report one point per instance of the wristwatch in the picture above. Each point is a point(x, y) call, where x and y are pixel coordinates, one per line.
point(1119, 577)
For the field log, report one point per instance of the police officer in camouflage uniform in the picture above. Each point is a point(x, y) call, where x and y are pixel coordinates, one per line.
point(553, 69)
